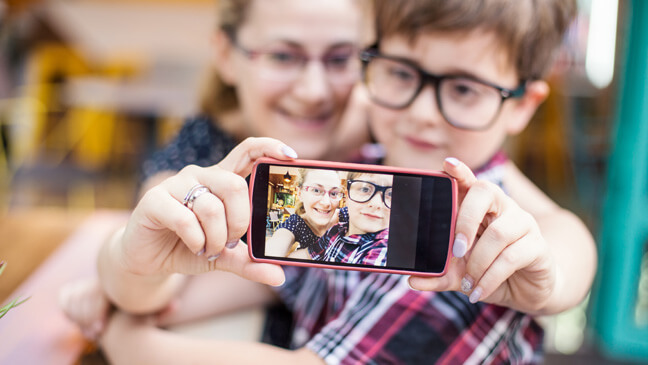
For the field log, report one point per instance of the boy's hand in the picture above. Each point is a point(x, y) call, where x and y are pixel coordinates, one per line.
point(165, 236)
point(85, 304)
point(499, 253)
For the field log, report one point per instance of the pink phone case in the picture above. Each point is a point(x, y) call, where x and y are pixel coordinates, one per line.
point(365, 167)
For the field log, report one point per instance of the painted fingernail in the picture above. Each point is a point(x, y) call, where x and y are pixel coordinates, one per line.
point(410, 285)
point(201, 252)
point(289, 152)
point(213, 257)
point(475, 295)
point(452, 161)
point(467, 284)
point(232, 243)
point(460, 245)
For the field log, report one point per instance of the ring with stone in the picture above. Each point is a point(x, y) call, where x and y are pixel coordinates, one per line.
point(193, 194)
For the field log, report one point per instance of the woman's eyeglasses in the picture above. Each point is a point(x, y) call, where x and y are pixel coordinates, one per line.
point(361, 191)
point(334, 194)
point(341, 63)
point(465, 102)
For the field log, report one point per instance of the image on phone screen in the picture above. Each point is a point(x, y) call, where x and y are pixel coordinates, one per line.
point(354, 218)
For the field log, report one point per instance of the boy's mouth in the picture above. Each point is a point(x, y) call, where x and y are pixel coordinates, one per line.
point(372, 216)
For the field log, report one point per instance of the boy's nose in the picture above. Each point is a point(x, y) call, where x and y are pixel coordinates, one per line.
point(425, 109)
point(312, 84)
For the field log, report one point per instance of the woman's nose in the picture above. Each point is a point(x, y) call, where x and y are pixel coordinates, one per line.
point(312, 85)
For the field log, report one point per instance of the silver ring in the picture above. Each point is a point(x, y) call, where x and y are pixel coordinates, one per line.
point(193, 194)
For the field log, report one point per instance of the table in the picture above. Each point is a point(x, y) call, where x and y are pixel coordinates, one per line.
point(37, 332)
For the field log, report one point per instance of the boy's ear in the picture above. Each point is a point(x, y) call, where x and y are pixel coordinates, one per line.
point(223, 61)
point(536, 93)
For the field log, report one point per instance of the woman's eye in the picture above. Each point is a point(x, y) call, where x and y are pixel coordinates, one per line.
point(316, 191)
point(338, 61)
point(284, 57)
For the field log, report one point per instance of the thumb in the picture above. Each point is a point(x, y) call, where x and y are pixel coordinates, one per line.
point(241, 159)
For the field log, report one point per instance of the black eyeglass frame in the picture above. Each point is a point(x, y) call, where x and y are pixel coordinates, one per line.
point(428, 78)
point(378, 188)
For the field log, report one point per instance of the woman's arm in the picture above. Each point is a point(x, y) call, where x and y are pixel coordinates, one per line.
point(140, 266)
point(280, 242)
point(519, 250)
point(135, 340)
point(571, 244)
point(213, 294)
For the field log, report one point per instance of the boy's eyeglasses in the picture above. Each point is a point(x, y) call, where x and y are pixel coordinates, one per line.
point(465, 102)
point(341, 64)
point(361, 191)
point(334, 194)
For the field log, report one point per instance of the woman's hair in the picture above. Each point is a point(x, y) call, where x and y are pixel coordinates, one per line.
point(301, 176)
point(219, 97)
point(530, 30)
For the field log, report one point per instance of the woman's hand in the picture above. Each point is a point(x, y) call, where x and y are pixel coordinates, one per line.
point(499, 253)
point(165, 236)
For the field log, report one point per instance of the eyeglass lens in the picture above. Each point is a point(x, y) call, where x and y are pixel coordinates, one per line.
point(340, 64)
point(363, 191)
point(334, 194)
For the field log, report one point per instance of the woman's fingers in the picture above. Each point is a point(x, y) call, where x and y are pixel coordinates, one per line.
point(450, 281)
point(462, 174)
point(242, 158)
point(494, 245)
point(236, 260)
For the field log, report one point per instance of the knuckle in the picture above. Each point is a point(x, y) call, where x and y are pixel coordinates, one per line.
point(190, 170)
point(498, 232)
point(509, 258)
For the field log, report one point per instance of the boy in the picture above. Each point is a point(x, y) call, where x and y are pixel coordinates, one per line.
point(363, 239)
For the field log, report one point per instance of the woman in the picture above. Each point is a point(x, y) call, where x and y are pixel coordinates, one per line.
point(319, 193)
point(287, 70)
point(282, 70)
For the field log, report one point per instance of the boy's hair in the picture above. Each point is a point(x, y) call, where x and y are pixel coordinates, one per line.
point(531, 30)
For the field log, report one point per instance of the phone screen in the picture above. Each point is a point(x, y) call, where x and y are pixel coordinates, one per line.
point(352, 217)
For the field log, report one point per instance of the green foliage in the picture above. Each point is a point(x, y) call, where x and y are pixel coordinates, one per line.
point(14, 303)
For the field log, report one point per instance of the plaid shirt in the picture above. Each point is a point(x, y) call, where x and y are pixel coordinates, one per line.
point(369, 248)
point(350, 317)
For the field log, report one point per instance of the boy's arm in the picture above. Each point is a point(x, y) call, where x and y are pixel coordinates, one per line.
point(134, 340)
point(569, 240)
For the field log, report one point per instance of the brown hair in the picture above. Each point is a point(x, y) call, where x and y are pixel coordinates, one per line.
point(301, 176)
point(217, 96)
point(531, 30)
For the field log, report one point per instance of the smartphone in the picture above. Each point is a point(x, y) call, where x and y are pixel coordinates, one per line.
point(352, 216)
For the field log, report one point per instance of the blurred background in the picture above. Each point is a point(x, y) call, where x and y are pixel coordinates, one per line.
point(88, 88)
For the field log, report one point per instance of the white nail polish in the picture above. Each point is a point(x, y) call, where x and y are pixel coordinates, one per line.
point(288, 151)
point(452, 161)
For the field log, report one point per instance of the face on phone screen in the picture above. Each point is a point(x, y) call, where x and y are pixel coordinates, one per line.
point(351, 218)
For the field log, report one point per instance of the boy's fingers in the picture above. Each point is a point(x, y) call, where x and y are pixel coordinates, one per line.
point(243, 156)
